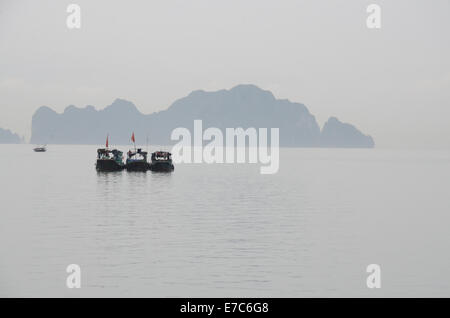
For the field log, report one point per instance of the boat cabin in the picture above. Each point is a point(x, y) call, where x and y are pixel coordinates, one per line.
point(161, 156)
point(137, 155)
point(104, 154)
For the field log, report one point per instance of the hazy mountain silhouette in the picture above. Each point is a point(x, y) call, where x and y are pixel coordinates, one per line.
point(242, 106)
point(8, 137)
point(337, 134)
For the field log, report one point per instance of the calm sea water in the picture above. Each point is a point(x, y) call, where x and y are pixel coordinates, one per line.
point(226, 230)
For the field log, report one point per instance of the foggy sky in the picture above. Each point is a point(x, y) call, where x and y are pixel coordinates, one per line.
point(392, 83)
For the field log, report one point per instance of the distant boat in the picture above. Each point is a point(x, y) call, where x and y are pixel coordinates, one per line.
point(40, 149)
point(162, 162)
point(109, 159)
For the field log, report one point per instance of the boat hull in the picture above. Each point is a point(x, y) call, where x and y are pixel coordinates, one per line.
point(140, 166)
point(162, 167)
point(108, 165)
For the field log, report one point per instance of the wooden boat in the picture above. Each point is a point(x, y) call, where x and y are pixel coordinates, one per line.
point(162, 162)
point(109, 159)
point(137, 161)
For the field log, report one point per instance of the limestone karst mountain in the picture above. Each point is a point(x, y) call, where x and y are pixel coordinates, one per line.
point(242, 106)
point(8, 137)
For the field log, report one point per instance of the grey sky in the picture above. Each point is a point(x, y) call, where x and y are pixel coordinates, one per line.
point(392, 83)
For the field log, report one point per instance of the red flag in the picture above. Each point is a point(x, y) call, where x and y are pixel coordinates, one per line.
point(132, 138)
point(107, 141)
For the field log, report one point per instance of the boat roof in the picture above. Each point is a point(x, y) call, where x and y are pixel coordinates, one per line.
point(106, 150)
point(162, 153)
point(139, 151)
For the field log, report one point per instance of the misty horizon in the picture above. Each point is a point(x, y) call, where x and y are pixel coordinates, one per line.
point(392, 82)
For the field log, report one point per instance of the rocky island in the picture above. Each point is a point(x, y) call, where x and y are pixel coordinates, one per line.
point(242, 106)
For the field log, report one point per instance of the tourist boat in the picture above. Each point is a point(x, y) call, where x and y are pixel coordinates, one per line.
point(137, 161)
point(109, 159)
point(161, 161)
point(40, 149)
